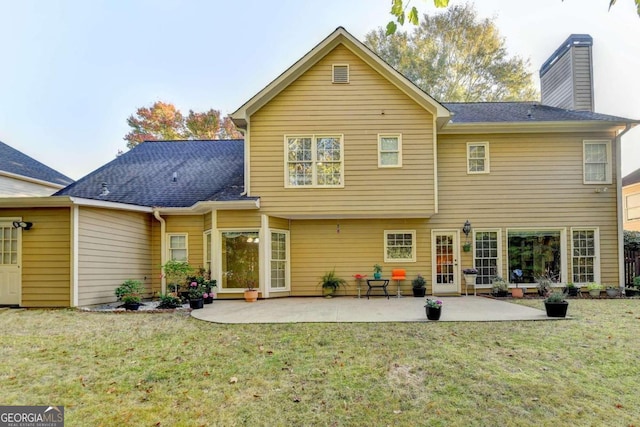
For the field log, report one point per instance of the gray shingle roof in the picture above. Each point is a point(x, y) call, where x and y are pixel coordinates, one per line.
point(632, 178)
point(144, 176)
point(18, 163)
point(498, 112)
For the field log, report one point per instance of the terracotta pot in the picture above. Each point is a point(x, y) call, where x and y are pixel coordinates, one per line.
point(517, 292)
point(251, 295)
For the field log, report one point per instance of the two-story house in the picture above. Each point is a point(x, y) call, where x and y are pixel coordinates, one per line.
point(346, 164)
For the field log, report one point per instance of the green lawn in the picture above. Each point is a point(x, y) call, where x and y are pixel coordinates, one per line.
point(172, 370)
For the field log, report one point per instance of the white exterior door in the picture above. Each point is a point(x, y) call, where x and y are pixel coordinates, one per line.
point(9, 266)
point(446, 275)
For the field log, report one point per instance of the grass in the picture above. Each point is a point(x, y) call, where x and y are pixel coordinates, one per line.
point(171, 370)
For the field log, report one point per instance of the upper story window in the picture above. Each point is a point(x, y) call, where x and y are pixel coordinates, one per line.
point(389, 150)
point(597, 162)
point(477, 157)
point(340, 73)
point(314, 161)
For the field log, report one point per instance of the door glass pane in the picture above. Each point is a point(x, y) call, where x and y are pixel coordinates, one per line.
point(8, 245)
point(240, 259)
point(444, 259)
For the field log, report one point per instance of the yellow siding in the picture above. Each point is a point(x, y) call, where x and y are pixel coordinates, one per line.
point(239, 219)
point(279, 223)
point(631, 203)
point(317, 247)
point(535, 181)
point(113, 246)
point(46, 256)
point(207, 221)
point(193, 226)
point(368, 105)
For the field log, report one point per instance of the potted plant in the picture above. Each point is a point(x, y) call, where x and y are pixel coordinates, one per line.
point(419, 286)
point(330, 283)
point(130, 293)
point(196, 295)
point(169, 301)
point(543, 285)
point(466, 247)
point(470, 276)
point(594, 289)
point(251, 293)
point(433, 308)
point(377, 271)
point(176, 273)
point(572, 289)
point(612, 291)
point(499, 287)
point(555, 304)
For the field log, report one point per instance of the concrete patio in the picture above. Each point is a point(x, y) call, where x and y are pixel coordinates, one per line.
point(350, 309)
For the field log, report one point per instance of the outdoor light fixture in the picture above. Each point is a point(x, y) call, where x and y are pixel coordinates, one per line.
point(466, 229)
point(22, 224)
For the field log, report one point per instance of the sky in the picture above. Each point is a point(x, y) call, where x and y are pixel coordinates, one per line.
point(73, 71)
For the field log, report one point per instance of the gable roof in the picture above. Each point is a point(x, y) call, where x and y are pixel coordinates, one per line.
point(144, 176)
point(339, 37)
point(632, 178)
point(17, 163)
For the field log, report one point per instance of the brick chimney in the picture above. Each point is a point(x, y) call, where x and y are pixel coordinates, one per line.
point(566, 78)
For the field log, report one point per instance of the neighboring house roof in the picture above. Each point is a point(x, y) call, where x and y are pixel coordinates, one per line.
point(339, 36)
point(502, 112)
point(632, 178)
point(168, 174)
point(15, 162)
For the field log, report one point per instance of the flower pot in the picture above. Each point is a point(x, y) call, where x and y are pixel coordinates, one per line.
point(377, 276)
point(595, 293)
point(572, 292)
point(208, 300)
point(251, 295)
point(131, 306)
point(556, 309)
point(500, 294)
point(196, 303)
point(433, 313)
point(612, 293)
point(630, 292)
point(419, 292)
point(517, 292)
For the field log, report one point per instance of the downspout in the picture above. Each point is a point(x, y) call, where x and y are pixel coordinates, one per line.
point(163, 250)
point(621, 275)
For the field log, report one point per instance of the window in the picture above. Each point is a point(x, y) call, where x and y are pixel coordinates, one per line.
point(477, 157)
point(632, 203)
point(314, 161)
point(597, 162)
point(8, 245)
point(486, 255)
point(178, 247)
point(240, 254)
point(389, 151)
point(340, 73)
point(538, 253)
point(399, 246)
point(584, 244)
point(207, 251)
point(278, 260)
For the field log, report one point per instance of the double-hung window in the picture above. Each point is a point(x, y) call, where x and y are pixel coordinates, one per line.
point(584, 251)
point(487, 255)
point(400, 246)
point(177, 247)
point(314, 161)
point(477, 157)
point(389, 151)
point(597, 162)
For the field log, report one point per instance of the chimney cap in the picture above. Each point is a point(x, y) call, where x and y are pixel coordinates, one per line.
point(572, 40)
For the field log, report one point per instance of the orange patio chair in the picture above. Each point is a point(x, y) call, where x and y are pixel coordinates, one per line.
point(398, 274)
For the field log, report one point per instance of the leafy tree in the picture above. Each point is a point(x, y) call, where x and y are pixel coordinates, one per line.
point(456, 57)
point(400, 13)
point(162, 121)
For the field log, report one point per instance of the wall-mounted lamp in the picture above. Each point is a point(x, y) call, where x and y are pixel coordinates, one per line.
point(466, 229)
point(22, 224)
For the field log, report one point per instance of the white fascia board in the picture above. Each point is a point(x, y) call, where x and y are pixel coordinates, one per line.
point(528, 127)
point(32, 180)
point(109, 205)
point(206, 206)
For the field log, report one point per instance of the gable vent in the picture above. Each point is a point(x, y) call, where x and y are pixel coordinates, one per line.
point(340, 74)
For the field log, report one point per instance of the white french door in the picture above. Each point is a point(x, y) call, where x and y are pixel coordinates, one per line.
point(9, 265)
point(446, 276)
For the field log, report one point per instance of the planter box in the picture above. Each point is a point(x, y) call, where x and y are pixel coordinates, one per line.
point(419, 292)
point(556, 309)
point(433, 313)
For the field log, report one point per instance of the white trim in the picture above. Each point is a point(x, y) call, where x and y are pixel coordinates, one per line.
point(34, 180)
point(168, 236)
point(75, 254)
point(287, 272)
point(596, 255)
point(204, 248)
point(487, 161)
point(457, 278)
point(333, 73)
point(531, 127)
point(264, 248)
point(435, 166)
point(111, 205)
point(9, 222)
point(314, 159)
point(216, 258)
point(398, 136)
point(609, 164)
point(414, 245)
